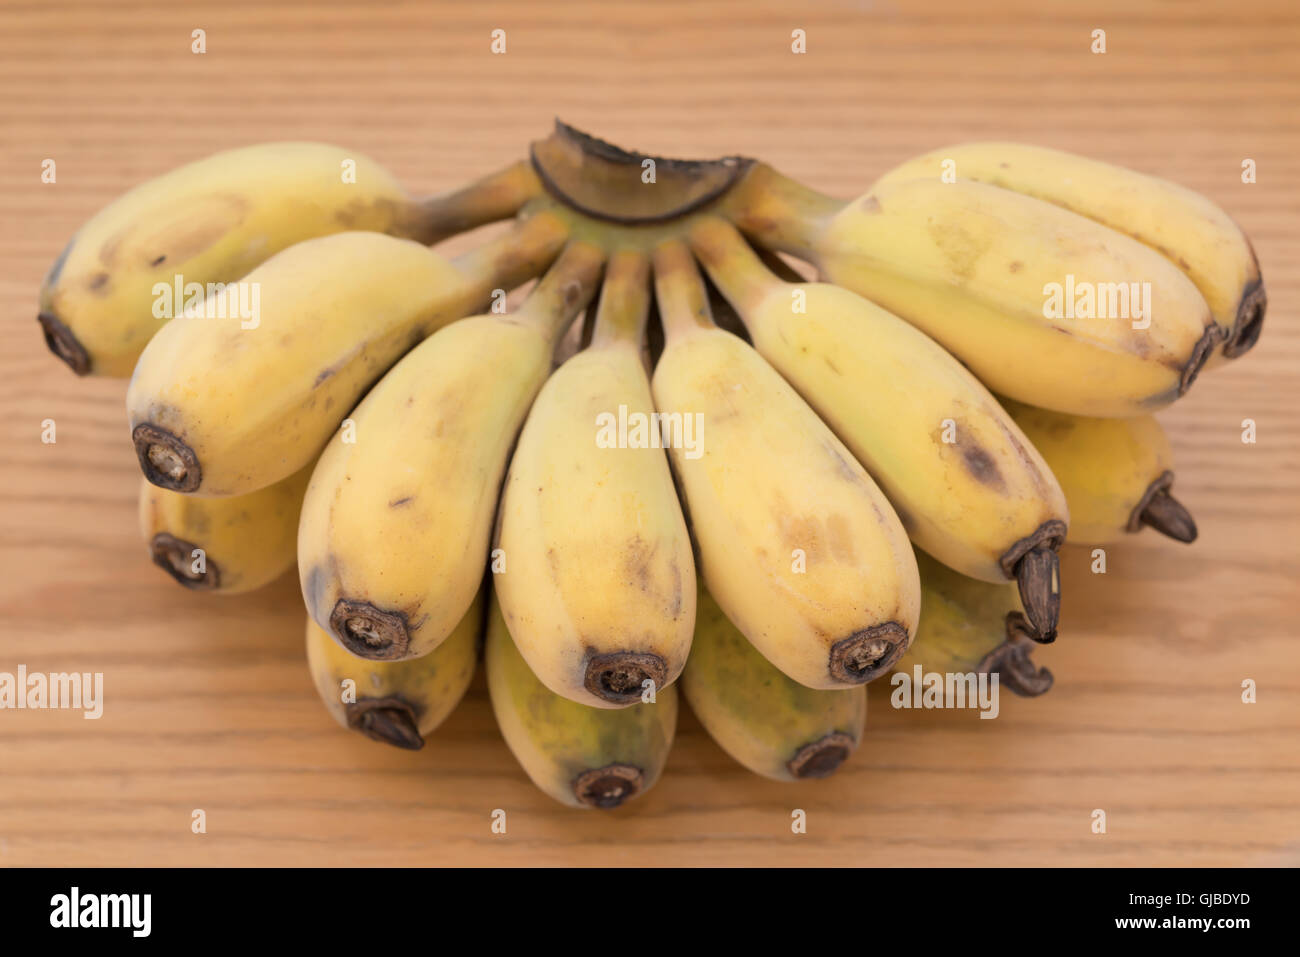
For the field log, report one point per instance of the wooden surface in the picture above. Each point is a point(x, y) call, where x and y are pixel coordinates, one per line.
point(208, 702)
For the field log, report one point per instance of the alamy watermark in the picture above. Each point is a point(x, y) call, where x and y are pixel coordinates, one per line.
point(934, 689)
point(215, 300)
point(73, 691)
point(655, 430)
point(1098, 300)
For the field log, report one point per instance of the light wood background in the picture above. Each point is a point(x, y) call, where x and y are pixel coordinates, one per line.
point(209, 704)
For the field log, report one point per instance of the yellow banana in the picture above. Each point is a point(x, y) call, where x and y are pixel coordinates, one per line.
point(972, 627)
point(396, 702)
point(1117, 473)
point(1185, 227)
point(223, 406)
point(1040, 303)
point(581, 756)
point(795, 541)
point(213, 220)
point(395, 526)
point(772, 725)
point(598, 585)
point(228, 545)
point(968, 486)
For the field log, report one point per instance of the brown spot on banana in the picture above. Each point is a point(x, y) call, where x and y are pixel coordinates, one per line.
point(618, 677)
point(867, 654)
point(166, 460)
point(1249, 321)
point(175, 556)
point(389, 720)
point(369, 632)
point(821, 758)
point(60, 340)
point(608, 787)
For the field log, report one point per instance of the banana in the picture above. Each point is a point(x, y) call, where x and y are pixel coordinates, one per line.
point(1185, 227)
point(227, 545)
point(1042, 304)
point(970, 627)
point(1117, 473)
point(213, 220)
point(772, 725)
point(395, 526)
point(796, 543)
point(968, 486)
point(396, 702)
point(584, 757)
point(224, 406)
point(598, 586)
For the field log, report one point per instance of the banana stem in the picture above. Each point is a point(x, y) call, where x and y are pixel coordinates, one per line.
point(624, 301)
point(679, 289)
point(516, 257)
point(779, 212)
point(1012, 660)
point(488, 200)
point(566, 288)
point(732, 264)
point(1161, 511)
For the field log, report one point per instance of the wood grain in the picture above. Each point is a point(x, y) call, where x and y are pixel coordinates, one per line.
point(209, 704)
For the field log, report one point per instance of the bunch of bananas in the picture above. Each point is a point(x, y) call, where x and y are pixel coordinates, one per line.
point(762, 505)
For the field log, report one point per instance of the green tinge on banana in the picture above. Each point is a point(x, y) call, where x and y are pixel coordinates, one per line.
point(212, 221)
point(224, 405)
point(225, 545)
point(772, 725)
point(396, 702)
point(969, 626)
point(581, 756)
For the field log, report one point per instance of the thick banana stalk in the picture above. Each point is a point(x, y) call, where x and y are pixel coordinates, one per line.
point(598, 585)
point(213, 220)
point(968, 486)
point(972, 627)
point(583, 757)
point(396, 524)
point(1117, 473)
point(795, 541)
point(396, 702)
point(223, 406)
point(1042, 304)
point(772, 725)
point(227, 545)
point(1183, 226)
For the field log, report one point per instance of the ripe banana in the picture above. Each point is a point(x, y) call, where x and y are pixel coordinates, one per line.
point(1117, 473)
point(1040, 303)
point(772, 725)
point(795, 541)
point(598, 585)
point(581, 756)
point(396, 702)
point(968, 486)
point(1182, 225)
point(213, 220)
point(223, 406)
point(969, 627)
point(228, 545)
point(395, 526)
